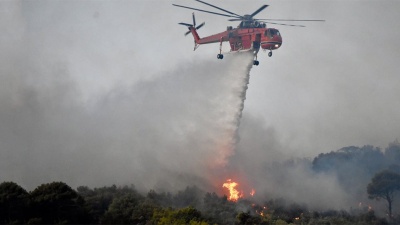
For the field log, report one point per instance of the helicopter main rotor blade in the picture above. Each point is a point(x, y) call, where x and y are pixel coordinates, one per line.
point(284, 24)
point(220, 14)
point(219, 8)
point(291, 20)
point(194, 20)
point(258, 10)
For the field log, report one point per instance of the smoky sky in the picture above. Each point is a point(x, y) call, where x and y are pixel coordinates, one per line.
point(100, 92)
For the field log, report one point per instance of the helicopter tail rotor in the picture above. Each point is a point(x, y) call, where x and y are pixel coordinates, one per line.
point(192, 26)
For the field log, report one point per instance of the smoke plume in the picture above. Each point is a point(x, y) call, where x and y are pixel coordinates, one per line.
point(91, 93)
point(173, 129)
point(167, 132)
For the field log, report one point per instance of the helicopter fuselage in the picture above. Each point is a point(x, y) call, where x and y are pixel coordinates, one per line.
point(243, 38)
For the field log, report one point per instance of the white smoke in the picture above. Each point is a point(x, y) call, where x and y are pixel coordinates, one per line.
point(174, 130)
point(64, 114)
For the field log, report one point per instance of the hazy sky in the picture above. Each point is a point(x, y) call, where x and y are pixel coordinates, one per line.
point(99, 92)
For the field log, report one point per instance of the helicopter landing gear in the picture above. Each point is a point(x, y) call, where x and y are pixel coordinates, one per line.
point(270, 53)
point(255, 61)
point(220, 56)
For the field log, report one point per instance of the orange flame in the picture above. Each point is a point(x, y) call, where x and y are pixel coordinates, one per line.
point(234, 194)
point(252, 192)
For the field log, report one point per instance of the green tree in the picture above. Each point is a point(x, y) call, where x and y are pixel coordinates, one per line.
point(121, 211)
point(188, 215)
point(246, 218)
point(164, 199)
point(14, 203)
point(56, 202)
point(143, 213)
point(384, 185)
point(218, 210)
point(392, 155)
point(99, 200)
point(191, 196)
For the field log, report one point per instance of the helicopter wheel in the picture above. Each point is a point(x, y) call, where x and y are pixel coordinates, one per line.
point(256, 63)
point(220, 56)
point(270, 53)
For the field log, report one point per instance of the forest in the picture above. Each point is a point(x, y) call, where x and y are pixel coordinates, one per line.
point(362, 171)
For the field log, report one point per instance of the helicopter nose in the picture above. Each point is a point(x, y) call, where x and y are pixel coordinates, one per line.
point(272, 43)
point(279, 42)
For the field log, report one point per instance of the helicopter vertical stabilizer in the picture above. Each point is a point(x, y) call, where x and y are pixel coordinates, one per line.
point(193, 29)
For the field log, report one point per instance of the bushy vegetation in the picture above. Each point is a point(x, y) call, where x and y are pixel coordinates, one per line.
point(366, 170)
point(57, 203)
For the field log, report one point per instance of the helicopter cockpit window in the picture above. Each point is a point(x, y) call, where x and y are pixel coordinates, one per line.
point(271, 33)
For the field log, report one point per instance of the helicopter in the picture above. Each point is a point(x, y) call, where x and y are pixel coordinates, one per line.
point(250, 35)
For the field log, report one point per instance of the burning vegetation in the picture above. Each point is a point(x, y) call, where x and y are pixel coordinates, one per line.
point(58, 203)
point(234, 194)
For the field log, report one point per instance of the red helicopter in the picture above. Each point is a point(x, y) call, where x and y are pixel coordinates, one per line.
point(250, 35)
